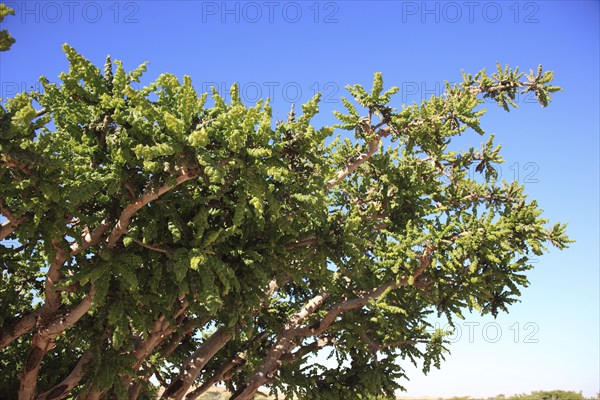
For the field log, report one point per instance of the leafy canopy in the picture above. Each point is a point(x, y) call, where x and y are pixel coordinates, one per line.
point(6, 40)
point(157, 232)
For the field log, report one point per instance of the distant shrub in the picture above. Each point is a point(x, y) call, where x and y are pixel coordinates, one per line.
point(551, 395)
point(540, 395)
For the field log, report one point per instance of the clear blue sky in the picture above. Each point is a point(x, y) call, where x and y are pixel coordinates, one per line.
point(287, 50)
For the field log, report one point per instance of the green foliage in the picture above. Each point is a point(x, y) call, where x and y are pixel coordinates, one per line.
point(6, 40)
point(205, 203)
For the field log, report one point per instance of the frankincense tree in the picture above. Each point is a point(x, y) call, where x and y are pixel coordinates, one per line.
point(160, 241)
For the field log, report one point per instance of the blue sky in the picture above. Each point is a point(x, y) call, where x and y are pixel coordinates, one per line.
point(289, 49)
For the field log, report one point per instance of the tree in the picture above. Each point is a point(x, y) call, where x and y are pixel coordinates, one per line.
point(6, 40)
point(156, 235)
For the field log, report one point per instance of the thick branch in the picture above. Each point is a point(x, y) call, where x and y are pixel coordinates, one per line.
point(307, 349)
point(228, 370)
point(28, 322)
point(223, 374)
point(161, 330)
point(43, 341)
point(188, 327)
point(9, 227)
point(145, 347)
point(61, 390)
point(302, 242)
point(192, 367)
point(39, 347)
point(52, 297)
point(283, 345)
point(21, 327)
point(89, 239)
point(12, 163)
point(149, 195)
point(344, 306)
point(285, 342)
point(187, 330)
point(6, 212)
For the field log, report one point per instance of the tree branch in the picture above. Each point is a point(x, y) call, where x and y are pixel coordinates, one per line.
point(43, 341)
point(151, 247)
point(51, 296)
point(161, 330)
point(90, 239)
point(12, 163)
point(227, 371)
point(302, 242)
point(149, 195)
point(187, 330)
point(12, 222)
point(159, 378)
point(61, 390)
point(307, 349)
point(223, 374)
point(284, 343)
point(488, 89)
point(374, 346)
point(28, 322)
point(10, 226)
point(21, 327)
point(361, 159)
point(194, 364)
point(344, 306)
